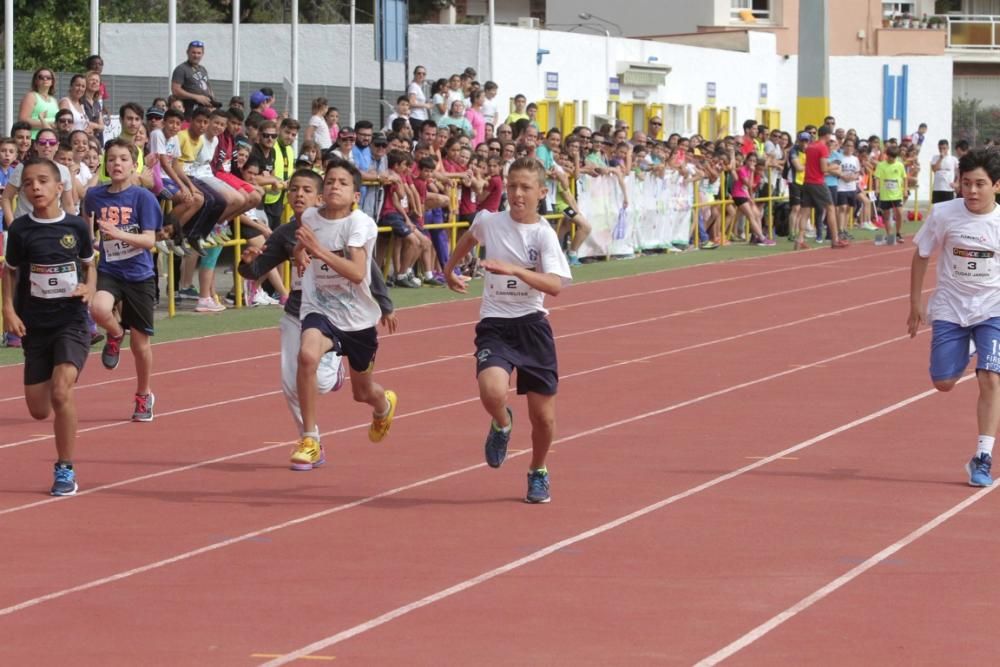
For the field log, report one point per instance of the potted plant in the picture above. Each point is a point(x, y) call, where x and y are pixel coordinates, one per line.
point(897, 21)
point(936, 23)
point(923, 22)
point(907, 21)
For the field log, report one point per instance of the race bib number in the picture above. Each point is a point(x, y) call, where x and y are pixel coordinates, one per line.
point(891, 185)
point(404, 203)
point(972, 266)
point(327, 279)
point(508, 289)
point(53, 281)
point(116, 250)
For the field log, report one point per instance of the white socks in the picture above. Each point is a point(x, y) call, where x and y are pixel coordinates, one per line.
point(985, 445)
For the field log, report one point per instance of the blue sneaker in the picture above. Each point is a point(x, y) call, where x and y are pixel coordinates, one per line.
point(65, 480)
point(538, 487)
point(979, 470)
point(496, 442)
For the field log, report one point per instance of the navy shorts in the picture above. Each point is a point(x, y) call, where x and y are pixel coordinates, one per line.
point(847, 198)
point(398, 223)
point(525, 343)
point(950, 347)
point(358, 346)
point(44, 349)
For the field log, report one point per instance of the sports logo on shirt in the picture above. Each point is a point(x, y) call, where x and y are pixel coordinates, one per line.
point(68, 241)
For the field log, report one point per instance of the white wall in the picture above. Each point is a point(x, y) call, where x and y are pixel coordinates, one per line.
point(635, 17)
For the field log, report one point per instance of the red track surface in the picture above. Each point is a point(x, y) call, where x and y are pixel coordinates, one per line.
point(670, 537)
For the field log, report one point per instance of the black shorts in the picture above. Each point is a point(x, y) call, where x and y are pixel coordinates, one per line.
point(398, 223)
point(938, 196)
point(889, 205)
point(739, 201)
point(848, 198)
point(525, 343)
point(815, 195)
point(137, 300)
point(44, 349)
point(794, 194)
point(358, 346)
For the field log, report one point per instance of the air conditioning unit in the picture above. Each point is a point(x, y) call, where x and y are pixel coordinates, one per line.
point(528, 22)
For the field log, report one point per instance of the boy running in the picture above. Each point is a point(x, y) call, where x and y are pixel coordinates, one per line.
point(334, 245)
point(524, 263)
point(46, 250)
point(966, 303)
point(128, 217)
point(303, 194)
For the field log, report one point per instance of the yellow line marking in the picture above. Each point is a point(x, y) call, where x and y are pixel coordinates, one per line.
point(782, 458)
point(279, 655)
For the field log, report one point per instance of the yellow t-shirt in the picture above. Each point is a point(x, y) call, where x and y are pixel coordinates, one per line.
point(891, 180)
point(189, 147)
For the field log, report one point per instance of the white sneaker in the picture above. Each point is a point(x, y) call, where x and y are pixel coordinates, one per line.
point(868, 226)
point(260, 298)
point(208, 305)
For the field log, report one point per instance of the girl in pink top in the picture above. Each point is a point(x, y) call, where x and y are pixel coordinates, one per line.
point(747, 179)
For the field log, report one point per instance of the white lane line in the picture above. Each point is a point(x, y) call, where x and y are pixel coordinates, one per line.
point(700, 309)
point(616, 364)
point(413, 485)
point(841, 581)
point(716, 281)
point(586, 535)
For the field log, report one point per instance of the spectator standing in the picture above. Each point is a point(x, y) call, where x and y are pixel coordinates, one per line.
point(189, 82)
point(419, 106)
point(39, 106)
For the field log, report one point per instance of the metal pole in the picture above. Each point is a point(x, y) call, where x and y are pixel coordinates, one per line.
point(294, 102)
point(236, 47)
point(8, 64)
point(380, 21)
point(350, 60)
point(171, 39)
point(492, 11)
point(95, 25)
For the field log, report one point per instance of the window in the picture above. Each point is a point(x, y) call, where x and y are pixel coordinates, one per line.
point(760, 10)
point(900, 8)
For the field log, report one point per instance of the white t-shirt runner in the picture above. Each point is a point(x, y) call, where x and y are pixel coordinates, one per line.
point(849, 165)
point(348, 306)
point(533, 246)
point(968, 281)
point(945, 176)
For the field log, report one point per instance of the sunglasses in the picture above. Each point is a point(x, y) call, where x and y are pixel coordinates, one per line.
point(197, 44)
point(44, 77)
point(654, 123)
point(346, 139)
point(47, 142)
point(269, 136)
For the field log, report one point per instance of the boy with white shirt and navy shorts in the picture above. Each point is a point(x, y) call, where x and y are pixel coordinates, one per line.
point(965, 306)
point(524, 262)
point(334, 246)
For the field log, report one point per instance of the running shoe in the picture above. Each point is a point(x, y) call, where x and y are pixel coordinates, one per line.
point(801, 245)
point(187, 293)
point(867, 226)
point(308, 454)
point(65, 480)
point(95, 337)
point(709, 245)
point(573, 260)
point(208, 305)
point(538, 487)
point(111, 354)
point(380, 425)
point(12, 341)
point(979, 470)
point(840, 244)
point(496, 442)
point(143, 411)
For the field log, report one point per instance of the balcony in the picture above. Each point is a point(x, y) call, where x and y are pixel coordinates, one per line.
point(973, 37)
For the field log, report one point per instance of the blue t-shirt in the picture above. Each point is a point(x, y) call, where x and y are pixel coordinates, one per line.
point(5, 175)
point(363, 161)
point(134, 210)
point(835, 158)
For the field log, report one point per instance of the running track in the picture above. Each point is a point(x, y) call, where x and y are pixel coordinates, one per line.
point(748, 467)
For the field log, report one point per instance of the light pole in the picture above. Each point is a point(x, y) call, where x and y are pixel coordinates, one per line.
point(587, 16)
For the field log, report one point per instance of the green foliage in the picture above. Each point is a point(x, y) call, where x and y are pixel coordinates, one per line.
point(974, 122)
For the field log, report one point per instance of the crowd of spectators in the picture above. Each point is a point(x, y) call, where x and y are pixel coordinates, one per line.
point(444, 150)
